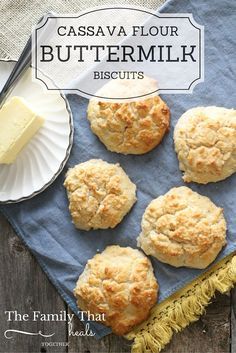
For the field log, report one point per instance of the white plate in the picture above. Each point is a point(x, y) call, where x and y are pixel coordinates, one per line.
point(44, 157)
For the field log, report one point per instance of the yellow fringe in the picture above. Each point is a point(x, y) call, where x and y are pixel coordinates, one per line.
point(182, 308)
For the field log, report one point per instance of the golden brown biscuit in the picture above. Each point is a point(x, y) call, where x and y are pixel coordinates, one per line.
point(183, 228)
point(134, 127)
point(120, 284)
point(205, 142)
point(100, 194)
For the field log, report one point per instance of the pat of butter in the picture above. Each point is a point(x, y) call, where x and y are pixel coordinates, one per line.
point(18, 124)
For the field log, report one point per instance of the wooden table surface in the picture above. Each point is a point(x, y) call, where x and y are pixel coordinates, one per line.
point(24, 287)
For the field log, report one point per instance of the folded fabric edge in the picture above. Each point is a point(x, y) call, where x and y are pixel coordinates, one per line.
point(99, 332)
point(183, 307)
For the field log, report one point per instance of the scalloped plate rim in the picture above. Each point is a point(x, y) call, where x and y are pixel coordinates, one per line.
point(55, 175)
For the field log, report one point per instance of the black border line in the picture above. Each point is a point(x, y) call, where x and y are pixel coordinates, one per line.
point(118, 98)
point(68, 150)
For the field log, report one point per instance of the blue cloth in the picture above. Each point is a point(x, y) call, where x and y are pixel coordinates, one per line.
point(44, 222)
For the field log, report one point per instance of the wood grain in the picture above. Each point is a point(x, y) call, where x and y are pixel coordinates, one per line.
point(110, 343)
point(210, 334)
point(233, 321)
point(24, 287)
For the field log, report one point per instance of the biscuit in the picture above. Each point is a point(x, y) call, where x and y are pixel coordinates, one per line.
point(100, 194)
point(135, 127)
point(120, 284)
point(183, 228)
point(205, 142)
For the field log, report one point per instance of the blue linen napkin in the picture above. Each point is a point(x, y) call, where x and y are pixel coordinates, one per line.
point(44, 222)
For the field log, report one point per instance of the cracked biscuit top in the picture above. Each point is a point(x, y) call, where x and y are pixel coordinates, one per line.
point(135, 127)
point(183, 228)
point(205, 142)
point(100, 194)
point(120, 284)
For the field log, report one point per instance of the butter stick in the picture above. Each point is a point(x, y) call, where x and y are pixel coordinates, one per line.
point(18, 124)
